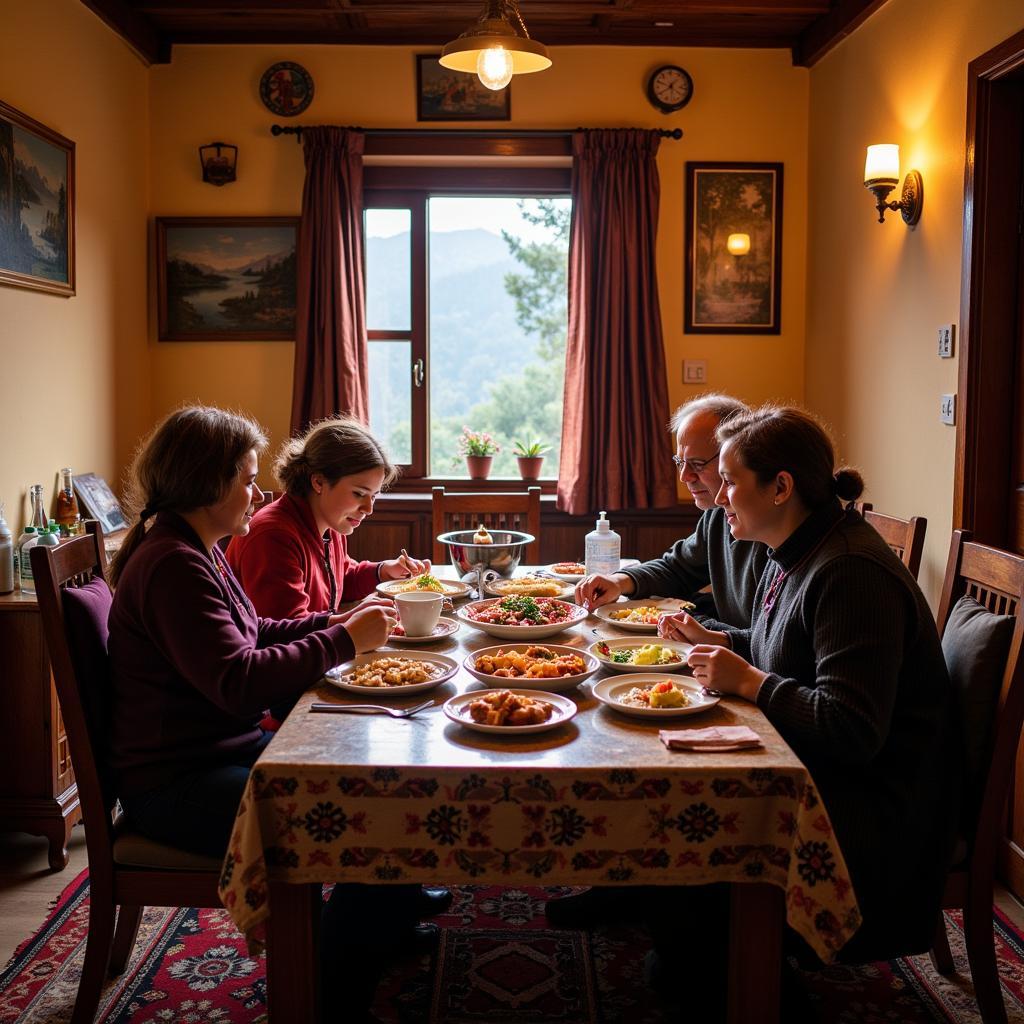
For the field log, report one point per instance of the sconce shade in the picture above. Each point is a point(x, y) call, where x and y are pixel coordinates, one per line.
point(738, 244)
point(882, 164)
point(219, 161)
point(499, 28)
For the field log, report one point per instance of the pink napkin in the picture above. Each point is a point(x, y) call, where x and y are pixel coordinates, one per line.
point(714, 738)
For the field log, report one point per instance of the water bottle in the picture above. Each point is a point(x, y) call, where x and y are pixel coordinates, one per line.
point(602, 548)
point(6, 555)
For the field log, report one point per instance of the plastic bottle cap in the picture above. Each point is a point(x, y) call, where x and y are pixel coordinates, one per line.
point(602, 524)
point(30, 529)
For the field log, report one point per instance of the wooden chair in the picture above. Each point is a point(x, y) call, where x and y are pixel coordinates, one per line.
point(904, 536)
point(995, 579)
point(127, 872)
point(517, 510)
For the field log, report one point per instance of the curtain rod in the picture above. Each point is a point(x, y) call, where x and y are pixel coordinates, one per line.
point(465, 133)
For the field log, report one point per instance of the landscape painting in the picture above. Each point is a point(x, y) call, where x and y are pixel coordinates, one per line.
point(444, 95)
point(37, 205)
point(226, 278)
point(733, 248)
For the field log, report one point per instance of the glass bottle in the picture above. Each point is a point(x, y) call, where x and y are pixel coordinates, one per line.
point(38, 516)
point(68, 516)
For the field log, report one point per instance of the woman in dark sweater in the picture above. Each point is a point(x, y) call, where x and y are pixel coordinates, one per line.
point(193, 667)
point(844, 659)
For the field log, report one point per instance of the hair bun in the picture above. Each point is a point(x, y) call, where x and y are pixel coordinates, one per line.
point(848, 483)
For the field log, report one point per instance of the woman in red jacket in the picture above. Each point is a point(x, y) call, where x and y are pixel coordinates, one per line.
point(295, 559)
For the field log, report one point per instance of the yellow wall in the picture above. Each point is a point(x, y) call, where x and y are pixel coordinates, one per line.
point(75, 371)
point(747, 105)
point(876, 293)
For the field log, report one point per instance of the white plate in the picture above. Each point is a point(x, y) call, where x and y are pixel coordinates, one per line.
point(531, 632)
point(555, 684)
point(566, 577)
point(447, 665)
point(628, 645)
point(456, 708)
point(503, 588)
point(445, 627)
point(665, 605)
point(452, 588)
point(609, 690)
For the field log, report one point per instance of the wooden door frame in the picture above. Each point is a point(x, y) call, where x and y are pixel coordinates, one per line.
point(988, 325)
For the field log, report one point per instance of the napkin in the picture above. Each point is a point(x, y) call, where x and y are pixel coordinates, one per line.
point(715, 738)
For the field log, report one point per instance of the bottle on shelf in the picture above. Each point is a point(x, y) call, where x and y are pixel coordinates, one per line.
point(37, 518)
point(31, 539)
point(602, 548)
point(6, 555)
point(68, 515)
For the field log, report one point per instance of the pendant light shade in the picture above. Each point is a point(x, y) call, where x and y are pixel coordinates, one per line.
point(496, 47)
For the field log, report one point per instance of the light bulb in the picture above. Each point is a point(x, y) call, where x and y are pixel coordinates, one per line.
point(882, 163)
point(494, 67)
point(738, 244)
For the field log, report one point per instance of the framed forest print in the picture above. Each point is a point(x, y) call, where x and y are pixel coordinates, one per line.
point(733, 248)
point(37, 205)
point(226, 278)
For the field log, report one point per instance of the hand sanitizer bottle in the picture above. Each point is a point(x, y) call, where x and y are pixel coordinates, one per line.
point(602, 548)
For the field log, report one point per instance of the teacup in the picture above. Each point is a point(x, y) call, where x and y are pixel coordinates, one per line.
point(418, 612)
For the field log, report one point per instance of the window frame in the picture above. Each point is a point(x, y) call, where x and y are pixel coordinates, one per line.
point(410, 188)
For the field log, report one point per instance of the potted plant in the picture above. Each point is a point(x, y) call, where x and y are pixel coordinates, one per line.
point(530, 458)
point(478, 449)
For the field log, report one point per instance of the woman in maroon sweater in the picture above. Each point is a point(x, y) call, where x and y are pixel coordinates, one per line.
point(193, 666)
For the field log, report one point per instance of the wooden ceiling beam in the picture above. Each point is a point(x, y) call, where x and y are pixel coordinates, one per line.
point(831, 29)
point(137, 31)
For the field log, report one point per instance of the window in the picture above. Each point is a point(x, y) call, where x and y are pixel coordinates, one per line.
point(466, 315)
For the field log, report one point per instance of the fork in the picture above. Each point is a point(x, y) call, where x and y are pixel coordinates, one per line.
point(369, 709)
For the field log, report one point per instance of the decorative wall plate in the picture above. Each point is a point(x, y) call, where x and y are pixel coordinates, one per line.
point(286, 88)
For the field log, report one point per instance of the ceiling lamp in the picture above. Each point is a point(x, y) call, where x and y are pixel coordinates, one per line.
point(496, 47)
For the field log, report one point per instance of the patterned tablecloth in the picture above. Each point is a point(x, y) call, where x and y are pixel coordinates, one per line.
point(597, 801)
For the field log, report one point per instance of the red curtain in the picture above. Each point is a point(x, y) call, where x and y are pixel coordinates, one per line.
point(616, 448)
point(331, 357)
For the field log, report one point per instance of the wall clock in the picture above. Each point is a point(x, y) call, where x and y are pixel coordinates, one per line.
point(286, 88)
point(669, 88)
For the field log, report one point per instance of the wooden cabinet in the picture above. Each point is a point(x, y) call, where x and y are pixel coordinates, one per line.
point(38, 793)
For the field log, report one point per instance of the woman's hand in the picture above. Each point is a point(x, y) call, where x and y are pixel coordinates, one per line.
point(369, 627)
point(597, 590)
point(373, 601)
point(403, 567)
point(680, 626)
point(718, 668)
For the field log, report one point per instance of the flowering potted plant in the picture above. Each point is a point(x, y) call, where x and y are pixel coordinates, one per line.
point(530, 457)
point(478, 449)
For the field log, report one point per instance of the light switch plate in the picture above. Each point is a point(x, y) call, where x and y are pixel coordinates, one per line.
point(695, 371)
point(947, 336)
point(948, 413)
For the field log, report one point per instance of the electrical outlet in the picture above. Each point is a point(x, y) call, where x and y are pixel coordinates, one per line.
point(947, 333)
point(695, 371)
point(948, 413)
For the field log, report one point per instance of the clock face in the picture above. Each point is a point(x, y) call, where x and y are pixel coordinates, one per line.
point(670, 88)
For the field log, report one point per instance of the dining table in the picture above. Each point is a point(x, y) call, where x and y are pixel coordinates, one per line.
point(597, 800)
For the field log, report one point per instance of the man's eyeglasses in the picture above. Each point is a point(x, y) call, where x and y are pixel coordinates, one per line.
point(693, 465)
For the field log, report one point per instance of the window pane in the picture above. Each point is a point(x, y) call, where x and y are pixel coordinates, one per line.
point(391, 397)
point(498, 321)
point(388, 271)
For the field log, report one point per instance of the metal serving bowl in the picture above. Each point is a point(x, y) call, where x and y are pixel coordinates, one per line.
point(502, 556)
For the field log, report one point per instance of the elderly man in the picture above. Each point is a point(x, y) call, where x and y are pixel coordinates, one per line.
point(709, 554)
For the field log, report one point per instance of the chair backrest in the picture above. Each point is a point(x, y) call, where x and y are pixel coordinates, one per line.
point(995, 580)
point(516, 510)
point(74, 603)
point(904, 536)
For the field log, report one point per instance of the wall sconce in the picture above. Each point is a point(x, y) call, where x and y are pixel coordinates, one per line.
point(882, 175)
point(219, 161)
point(738, 244)
point(496, 47)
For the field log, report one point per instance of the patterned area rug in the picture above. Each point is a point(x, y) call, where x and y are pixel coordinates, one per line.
point(499, 961)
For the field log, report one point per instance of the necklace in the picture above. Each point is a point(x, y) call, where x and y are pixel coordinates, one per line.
point(776, 585)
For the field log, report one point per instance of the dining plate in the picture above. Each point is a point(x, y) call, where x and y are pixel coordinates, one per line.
point(457, 709)
point(532, 631)
point(531, 586)
point(439, 667)
point(604, 651)
point(575, 577)
point(451, 588)
point(554, 684)
point(445, 627)
point(611, 692)
point(663, 606)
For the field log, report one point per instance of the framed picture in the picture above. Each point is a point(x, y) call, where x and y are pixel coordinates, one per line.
point(443, 95)
point(226, 278)
point(98, 502)
point(733, 248)
point(37, 205)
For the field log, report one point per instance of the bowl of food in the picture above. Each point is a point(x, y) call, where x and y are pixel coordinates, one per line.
point(483, 549)
point(641, 655)
point(425, 583)
point(385, 675)
point(521, 618)
point(530, 586)
point(570, 572)
point(654, 696)
point(509, 711)
point(640, 616)
point(546, 667)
